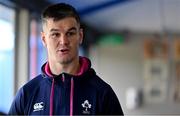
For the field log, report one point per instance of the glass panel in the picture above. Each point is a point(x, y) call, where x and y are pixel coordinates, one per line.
point(37, 50)
point(7, 19)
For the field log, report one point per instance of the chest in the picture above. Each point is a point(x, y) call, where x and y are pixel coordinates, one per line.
point(65, 100)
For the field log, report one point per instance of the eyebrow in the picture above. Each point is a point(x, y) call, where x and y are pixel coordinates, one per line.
point(54, 30)
point(71, 29)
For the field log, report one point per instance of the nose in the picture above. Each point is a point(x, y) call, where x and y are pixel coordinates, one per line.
point(64, 40)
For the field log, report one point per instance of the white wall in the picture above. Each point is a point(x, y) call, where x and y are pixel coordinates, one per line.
point(122, 67)
point(21, 63)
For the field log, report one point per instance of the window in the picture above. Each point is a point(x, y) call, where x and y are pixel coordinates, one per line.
point(37, 50)
point(7, 37)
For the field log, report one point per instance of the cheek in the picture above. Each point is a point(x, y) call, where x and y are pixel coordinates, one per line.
point(52, 43)
point(76, 44)
point(51, 46)
point(75, 47)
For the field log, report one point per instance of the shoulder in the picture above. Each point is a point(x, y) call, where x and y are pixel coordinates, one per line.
point(104, 90)
point(98, 82)
point(22, 96)
point(107, 97)
point(32, 85)
point(28, 89)
point(34, 82)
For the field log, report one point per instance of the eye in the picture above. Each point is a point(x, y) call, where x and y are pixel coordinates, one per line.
point(71, 33)
point(55, 35)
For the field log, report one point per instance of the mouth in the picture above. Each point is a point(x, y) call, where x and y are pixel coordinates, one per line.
point(63, 51)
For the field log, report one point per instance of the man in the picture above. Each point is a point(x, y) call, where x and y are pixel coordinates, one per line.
point(68, 85)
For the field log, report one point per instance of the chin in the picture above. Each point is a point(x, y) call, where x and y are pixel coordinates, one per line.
point(66, 61)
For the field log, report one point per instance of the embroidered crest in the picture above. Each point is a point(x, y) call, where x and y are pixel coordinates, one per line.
point(86, 105)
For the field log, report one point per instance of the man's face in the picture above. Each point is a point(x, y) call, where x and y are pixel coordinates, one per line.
point(62, 39)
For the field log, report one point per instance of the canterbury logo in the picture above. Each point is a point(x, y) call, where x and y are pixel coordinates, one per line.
point(38, 106)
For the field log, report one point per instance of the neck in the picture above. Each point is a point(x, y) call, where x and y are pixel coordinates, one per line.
point(70, 68)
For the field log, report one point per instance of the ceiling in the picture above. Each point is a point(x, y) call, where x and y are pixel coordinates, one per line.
point(119, 15)
point(133, 15)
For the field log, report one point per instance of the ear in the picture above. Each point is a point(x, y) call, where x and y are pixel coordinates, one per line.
point(43, 38)
point(81, 35)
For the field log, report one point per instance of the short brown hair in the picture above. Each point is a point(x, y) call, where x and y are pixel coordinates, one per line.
point(60, 11)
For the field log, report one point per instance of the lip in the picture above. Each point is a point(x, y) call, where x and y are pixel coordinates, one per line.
point(63, 51)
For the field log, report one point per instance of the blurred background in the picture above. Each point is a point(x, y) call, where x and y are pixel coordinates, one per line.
point(134, 45)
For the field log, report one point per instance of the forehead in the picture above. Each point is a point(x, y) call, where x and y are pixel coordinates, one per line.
point(62, 24)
